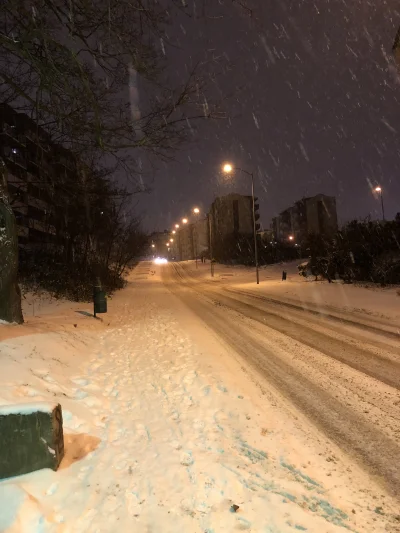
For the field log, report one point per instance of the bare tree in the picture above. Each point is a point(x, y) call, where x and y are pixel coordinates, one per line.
point(10, 297)
point(74, 66)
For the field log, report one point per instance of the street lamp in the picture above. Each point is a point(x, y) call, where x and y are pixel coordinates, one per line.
point(380, 192)
point(196, 211)
point(184, 220)
point(228, 168)
point(171, 240)
point(291, 238)
point(173, 232)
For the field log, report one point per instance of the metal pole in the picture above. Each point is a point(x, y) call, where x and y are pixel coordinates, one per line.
point(195, 242)
point(211, 254)
point(383, 209)
point(254, 229)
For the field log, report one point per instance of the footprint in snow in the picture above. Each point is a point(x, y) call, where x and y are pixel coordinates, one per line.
point(80, 381)
point(187, 459)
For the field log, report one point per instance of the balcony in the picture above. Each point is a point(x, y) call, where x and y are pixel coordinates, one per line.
point(22, 231)
point(38, 203)
point(42, 227)
point(11, 131)
point(15, 155)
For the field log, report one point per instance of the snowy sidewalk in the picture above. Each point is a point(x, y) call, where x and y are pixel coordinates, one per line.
point(157, 439)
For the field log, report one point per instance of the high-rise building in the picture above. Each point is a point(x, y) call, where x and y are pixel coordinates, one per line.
point(316, 214)
point(233, 215)
point(231, 227)
point(192, 239)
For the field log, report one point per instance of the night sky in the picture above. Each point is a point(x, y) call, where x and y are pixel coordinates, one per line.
point(312, 101)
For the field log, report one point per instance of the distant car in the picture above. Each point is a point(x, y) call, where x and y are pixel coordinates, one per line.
point(160, 260)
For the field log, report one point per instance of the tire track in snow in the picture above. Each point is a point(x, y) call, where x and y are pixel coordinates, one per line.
point(376, 452)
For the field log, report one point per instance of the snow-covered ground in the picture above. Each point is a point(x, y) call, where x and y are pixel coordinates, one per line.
point(164, 433)
point(373, 300)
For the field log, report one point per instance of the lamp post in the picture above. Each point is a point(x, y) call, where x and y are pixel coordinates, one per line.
point(211, 250)
point(184, 222)
point(379, 190)
point(196, 212)
point(179, 248)
point(228, 168)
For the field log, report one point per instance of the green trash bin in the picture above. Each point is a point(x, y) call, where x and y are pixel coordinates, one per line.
point(99, 300)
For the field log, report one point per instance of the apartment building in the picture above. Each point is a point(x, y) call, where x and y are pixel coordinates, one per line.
point(316, 214)
point(34, 165)
point(232, 215)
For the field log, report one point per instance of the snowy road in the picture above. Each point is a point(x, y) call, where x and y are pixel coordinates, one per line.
point(342, 372)
point(187, 400)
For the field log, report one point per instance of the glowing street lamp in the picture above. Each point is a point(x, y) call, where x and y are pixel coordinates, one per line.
point(173, 232)
point(153, 245)
point(196, 211)
point(291, 238)
point(171, 240)
point(177, 226)
point(228, 169)
point(184, 220)
point(378, 189)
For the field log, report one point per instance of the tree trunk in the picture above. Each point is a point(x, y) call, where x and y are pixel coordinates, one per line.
point(10, 295)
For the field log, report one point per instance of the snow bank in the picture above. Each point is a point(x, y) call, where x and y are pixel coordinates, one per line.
point(374, 301)
point(27, 408)
point(20, 512)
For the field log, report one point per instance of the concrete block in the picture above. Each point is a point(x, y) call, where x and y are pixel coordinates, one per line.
point(31, 438)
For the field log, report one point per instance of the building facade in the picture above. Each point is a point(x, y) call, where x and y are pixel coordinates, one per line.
point(193, 240)
point(39, 174)
point(316, 215)
point(186, 242)
point(232, 227)
point(232, 215)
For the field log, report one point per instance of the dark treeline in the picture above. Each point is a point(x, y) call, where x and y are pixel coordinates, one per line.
point(92, 235)
point(362, 251)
